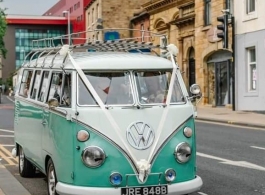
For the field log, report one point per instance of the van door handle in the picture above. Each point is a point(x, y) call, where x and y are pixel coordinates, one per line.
point(44, 122)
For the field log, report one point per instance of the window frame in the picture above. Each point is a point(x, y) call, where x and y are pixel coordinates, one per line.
point(247, 14)
point(22, 87)
point(249, 6)
point(207, 12)
point(252, 84)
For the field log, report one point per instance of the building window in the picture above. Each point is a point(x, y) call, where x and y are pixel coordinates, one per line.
point(207, 12)
point(250, 6)
point(88, 19)
point(98, 11)
point(163, 43)
point(252, 68)
point(142, 32)
point(92, 15)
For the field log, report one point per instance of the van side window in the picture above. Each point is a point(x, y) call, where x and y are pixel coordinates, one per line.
point(43, 86)
point(66, 91)
point(36, 83)
point(84, 96)
point(25, 83)
point(55, 88)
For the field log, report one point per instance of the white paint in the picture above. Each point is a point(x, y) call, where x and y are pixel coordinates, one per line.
point(234, 163)
point(6, 135)
point(249, 22)
point(257, 147)
point(7, 145)
point(201, 193)
point(5, 130)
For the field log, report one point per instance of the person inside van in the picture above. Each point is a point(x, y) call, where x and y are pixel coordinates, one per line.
point(154, 92)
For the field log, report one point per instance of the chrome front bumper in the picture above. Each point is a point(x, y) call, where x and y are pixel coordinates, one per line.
point(173, 189)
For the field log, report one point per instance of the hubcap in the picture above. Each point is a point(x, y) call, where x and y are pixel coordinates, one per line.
point(21, 159)
point(51, 181)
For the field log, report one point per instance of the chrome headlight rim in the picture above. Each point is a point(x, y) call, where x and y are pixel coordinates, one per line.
point(166, 175)
point(178, 147)
point(99, 149)
point(112, 175)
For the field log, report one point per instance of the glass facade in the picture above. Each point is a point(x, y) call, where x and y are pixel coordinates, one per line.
point(24, 38)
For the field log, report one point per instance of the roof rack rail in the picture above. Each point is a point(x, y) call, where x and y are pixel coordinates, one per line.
point(122, 43)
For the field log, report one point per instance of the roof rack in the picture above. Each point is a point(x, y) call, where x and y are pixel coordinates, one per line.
point(47, 46)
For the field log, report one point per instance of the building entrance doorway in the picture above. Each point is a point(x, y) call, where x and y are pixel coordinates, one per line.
point(219, 78)
point(222, 83)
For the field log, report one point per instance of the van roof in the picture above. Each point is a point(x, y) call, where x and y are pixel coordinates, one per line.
point(104, 61)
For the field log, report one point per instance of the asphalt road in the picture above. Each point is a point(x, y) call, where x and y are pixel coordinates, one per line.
point(230, 160)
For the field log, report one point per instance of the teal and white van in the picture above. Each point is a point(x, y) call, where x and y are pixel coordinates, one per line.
point(106, 117)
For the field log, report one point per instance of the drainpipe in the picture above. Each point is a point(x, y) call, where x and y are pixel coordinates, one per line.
point(233, 64)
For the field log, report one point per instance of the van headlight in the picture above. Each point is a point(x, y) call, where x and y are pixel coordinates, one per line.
point(182, 152)
point(93, 156)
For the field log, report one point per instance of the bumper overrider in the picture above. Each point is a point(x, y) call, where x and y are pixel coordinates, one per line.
point(173, 189)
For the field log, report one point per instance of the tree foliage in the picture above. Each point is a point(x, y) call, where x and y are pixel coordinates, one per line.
point(3, 24)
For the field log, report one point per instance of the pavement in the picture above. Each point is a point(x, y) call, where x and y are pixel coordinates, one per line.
point(228, 116)
point(10, 186)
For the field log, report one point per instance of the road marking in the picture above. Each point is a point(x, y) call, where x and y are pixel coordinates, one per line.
point(257, 147)
point(3, 156)
point(8, 145)
point(8, 153)
point(5, 130)
point(234, 163)
point(201, 193)
point(6, 135)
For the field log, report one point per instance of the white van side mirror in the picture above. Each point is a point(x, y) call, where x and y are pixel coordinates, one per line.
point(53, 103)
point(195, 91)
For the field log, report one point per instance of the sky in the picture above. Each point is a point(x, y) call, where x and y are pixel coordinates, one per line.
point(27, 7)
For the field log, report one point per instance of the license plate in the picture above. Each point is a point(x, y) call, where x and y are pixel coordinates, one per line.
point(149, 190)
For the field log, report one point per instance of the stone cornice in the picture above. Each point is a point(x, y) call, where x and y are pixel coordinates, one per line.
point(183, 3)
point(158, 5)
point(184, 21)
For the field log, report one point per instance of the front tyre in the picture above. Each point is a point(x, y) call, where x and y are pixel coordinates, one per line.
point(51, 178)
point(26, 168)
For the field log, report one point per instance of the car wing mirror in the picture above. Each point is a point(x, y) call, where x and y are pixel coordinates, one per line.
point(195, 90)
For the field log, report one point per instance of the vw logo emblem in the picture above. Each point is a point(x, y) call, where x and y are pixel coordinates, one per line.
point(140, 135)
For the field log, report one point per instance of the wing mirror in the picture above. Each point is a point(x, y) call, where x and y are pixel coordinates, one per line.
point(53, 103)
point(195, 90)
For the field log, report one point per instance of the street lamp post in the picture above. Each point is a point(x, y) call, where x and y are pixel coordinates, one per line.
point(69, 36)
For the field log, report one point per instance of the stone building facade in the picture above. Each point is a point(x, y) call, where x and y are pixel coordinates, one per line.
point(110, 14)
point(214, 71)
point(191, 25)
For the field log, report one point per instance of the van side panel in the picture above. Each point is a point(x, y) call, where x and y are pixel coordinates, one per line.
point(28, 130)
point(62, 147)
